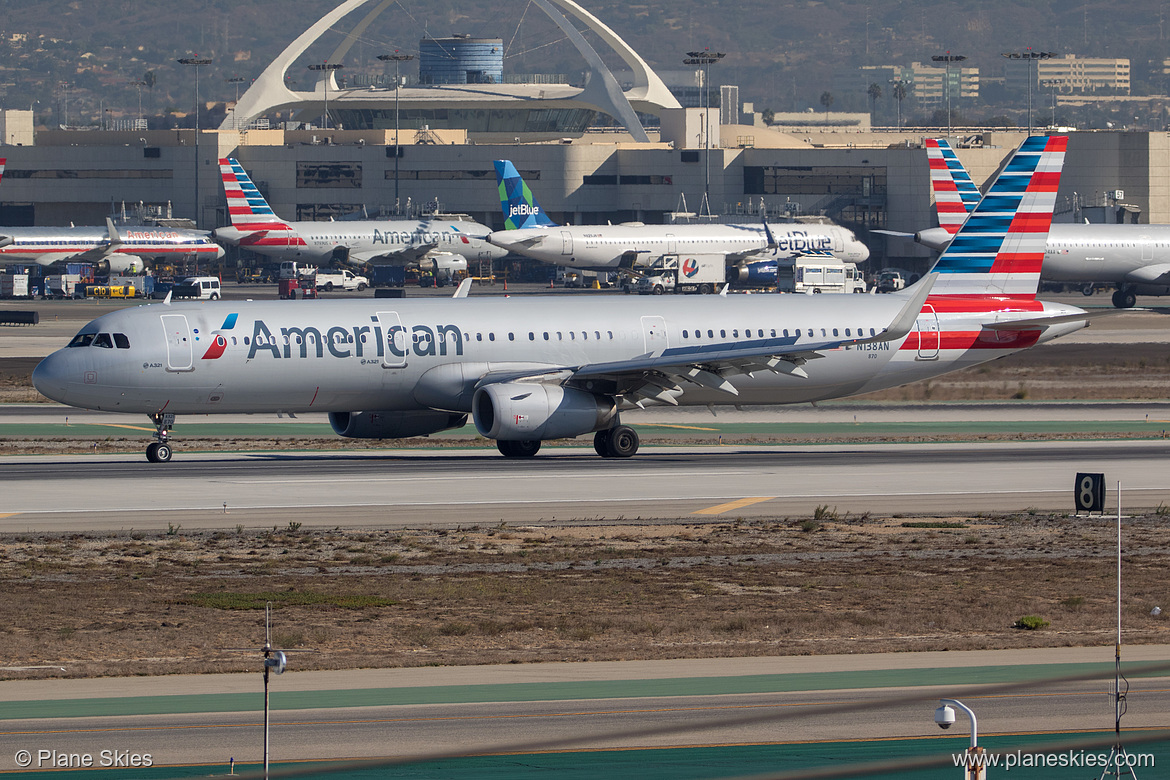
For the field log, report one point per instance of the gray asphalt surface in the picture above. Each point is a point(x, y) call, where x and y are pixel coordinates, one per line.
point(461, 487)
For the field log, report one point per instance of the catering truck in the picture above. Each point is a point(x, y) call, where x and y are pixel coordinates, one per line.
point(703, 274)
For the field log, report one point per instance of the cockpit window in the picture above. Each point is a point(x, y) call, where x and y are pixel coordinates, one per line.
point(103, 340)
point(82, 340)
point(121, 341)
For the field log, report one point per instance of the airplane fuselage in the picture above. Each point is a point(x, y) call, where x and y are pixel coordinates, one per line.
point(413, 355)
point(609, 247)
point(1132, 256)
point(48, 245)
point(380, 241)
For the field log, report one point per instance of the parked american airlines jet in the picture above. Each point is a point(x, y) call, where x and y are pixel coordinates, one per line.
point(432, 244)
point(1133, 258)
point(613, 247)
point(528, 369)
point(125, 251)
point(116, 252)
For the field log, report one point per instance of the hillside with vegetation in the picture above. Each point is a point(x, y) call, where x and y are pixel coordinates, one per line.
point(77, 62)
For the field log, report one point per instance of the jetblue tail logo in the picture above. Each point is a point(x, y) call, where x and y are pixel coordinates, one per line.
point(1000, 248)
point(516, 200)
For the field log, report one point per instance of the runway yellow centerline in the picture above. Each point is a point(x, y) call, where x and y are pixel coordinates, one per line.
point(728, 507)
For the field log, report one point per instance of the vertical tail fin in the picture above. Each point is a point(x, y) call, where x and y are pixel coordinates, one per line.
point(520, 207)
point(248, 210)
point(955, 195)
point(999, 250)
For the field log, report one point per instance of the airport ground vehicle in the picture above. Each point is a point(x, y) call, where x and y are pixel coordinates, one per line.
point(64, 286)
point(702, 274)
point(819, 277)
point(342, 278)
point(891, 281)
point(113, 291)
point(205, 288)
point(15, 286)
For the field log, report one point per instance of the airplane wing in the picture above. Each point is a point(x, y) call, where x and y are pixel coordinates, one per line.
point(664, 376)
point(404, 256)
point(1149, 273)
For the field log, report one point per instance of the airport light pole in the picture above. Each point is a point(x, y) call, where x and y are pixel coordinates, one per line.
point(327, 68)
point(237, 80)
point(397, 58)
point(948, 58)
point(706, 58)
point(1031, 57)
point(196, 62)
point(140, 84)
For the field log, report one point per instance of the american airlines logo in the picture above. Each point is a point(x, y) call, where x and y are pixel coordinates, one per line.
point(523, 210)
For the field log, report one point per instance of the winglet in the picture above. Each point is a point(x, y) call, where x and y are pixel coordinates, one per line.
point(463, 288)
point(904, 322)
point(112, 234)
point(167, 300)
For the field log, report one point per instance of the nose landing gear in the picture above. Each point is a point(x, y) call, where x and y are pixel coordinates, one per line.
point(160, 451)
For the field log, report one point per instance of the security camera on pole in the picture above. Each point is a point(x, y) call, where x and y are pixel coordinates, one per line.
point(944, 716)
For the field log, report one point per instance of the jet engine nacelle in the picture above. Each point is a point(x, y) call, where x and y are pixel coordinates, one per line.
point(937, 238)
point(762, 272)
point(517, 411)
point(444, 262)
point(393, 425)
point(129, 265)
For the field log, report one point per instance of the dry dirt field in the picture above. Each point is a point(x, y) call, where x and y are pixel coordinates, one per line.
point(131, 603)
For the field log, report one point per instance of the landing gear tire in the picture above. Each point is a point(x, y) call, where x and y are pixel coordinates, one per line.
point(623, 442)
point(1088, 290)
point(157, 452)
point(601, 443)
point(1124, 299)
point(518, 449)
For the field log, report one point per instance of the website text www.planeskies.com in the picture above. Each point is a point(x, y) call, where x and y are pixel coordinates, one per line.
point(1062, 759)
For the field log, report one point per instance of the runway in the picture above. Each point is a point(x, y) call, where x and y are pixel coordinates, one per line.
point(405, 713)
point(455, 487)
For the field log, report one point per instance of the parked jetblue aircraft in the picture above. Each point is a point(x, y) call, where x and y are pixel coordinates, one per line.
point(431, 244)
point(530, 232)
point(527, 369)
point(1133, 258)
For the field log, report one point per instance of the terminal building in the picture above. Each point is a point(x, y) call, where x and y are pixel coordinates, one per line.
point(651, 159)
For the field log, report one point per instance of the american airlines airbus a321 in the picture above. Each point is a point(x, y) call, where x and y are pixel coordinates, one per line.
point(532, 369)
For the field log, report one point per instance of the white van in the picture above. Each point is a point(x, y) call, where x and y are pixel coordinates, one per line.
point(204, 288)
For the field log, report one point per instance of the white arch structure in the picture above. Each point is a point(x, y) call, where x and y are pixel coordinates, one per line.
point(270, 92)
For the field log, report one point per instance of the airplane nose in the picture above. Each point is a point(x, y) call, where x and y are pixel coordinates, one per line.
point(862, 252)
point(49, 378)
point(219, 252)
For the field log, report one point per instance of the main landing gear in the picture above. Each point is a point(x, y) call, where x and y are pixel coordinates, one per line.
point(160, 451)
point(618, 442)
point(518, 449)
point(1124, 299)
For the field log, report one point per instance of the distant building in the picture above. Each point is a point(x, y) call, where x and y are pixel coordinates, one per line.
point(927, 85)
point(1069, 74)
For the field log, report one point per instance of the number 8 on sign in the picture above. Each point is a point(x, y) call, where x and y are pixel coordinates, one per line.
point(1089, 492)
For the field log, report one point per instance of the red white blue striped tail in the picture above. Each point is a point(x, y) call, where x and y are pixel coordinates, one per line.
point(955, 195)
point(248, 210)
point(999, 249)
